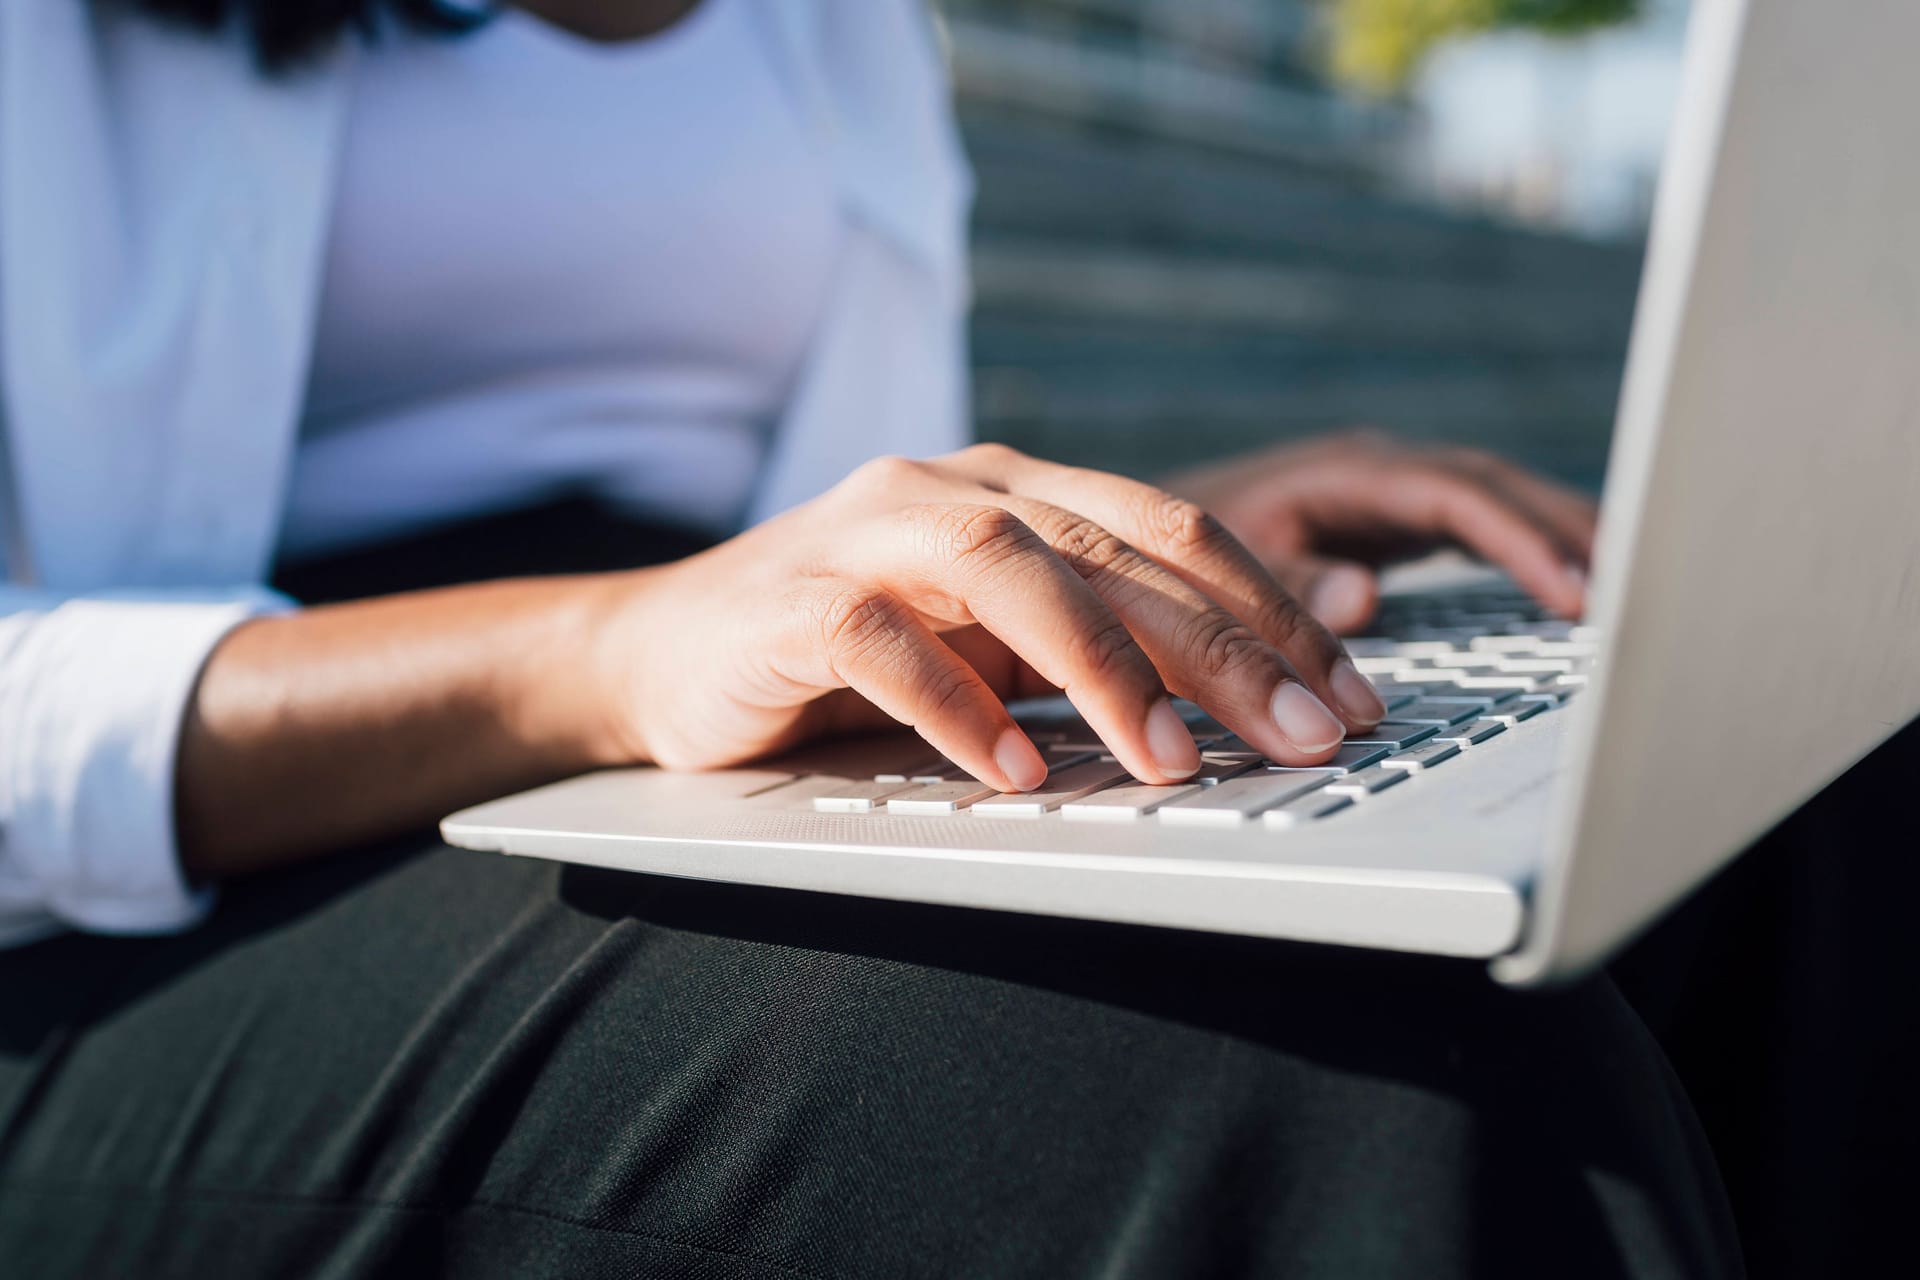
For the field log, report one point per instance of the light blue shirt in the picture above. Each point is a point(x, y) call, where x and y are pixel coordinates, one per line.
point(164, 213)
point(556, 266)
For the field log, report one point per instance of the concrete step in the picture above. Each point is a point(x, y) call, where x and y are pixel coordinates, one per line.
point(1032, 279)
point(1040, 181)
point(1560, 426)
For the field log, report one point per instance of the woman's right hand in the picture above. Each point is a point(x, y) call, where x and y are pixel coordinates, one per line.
point(930, 592)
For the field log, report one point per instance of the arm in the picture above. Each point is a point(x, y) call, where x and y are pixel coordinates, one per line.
point(919, 593)
point(316, 730)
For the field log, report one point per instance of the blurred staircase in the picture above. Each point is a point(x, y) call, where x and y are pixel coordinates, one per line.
point(1185, 246)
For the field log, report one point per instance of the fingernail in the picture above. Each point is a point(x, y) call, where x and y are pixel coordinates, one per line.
point(1019, 760)
point(1169, 742)
point(1339, 597)
point(1303, 719)
point(1359, 700)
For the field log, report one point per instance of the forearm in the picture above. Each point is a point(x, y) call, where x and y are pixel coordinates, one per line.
point(317, 730)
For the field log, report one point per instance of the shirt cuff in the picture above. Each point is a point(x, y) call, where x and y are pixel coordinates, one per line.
point(94, 691)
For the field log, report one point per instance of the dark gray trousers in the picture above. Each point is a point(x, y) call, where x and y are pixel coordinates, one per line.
point(416, 1060)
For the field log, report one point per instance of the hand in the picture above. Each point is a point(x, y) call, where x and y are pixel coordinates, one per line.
point(1325, 514)
point(928, 592)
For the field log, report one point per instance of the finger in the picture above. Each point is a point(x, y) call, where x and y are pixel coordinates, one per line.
point(1340, 593)
point(1006, 672)
point(1573, 539)
point(861, 637)
point(1565, 518)
point(1200, 552)
point(969, 563)
point(1202, 650)
point(1571, 516)
point(1444, 503)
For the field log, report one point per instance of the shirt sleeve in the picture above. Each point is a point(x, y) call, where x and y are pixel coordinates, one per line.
point(92, 692)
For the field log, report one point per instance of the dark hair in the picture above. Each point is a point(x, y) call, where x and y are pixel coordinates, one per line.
point(287, 32)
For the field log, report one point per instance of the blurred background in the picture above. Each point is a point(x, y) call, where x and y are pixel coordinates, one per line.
point(1205, 225)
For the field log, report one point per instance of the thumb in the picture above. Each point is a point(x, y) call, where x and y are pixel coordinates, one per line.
point(1340, 593)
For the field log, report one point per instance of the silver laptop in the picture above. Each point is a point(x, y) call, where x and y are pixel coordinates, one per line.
point(1543, 791)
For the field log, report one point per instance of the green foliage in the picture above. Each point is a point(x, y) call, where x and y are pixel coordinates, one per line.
point(1377, 44)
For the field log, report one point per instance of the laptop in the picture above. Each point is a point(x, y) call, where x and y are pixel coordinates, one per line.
point(1543, 790)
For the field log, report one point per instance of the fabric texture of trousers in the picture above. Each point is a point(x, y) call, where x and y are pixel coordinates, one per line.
point(422, 1058)
point(417, 1059)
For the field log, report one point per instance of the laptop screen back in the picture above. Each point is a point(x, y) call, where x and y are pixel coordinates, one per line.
point(1758, 578)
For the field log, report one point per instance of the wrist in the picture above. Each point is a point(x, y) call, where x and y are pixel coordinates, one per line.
point(603, 651)
point(556, 692)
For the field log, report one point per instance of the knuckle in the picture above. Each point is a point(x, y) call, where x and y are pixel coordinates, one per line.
point(1219, 645)
point(1090, 548)
point(947, 693)
point(977, 534)
point(857, 619)
point(882, 475)
point(1284, 622)
point(1475, 464)
point(1456, 498)
point(1185, 528)
point(1106, 653)
point(991, 452)
point(1300, 635)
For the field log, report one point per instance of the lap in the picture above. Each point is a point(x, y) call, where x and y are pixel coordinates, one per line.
point(498, 1066)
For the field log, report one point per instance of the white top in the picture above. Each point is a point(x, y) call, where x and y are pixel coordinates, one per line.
point(559, 266)
point(164, 235)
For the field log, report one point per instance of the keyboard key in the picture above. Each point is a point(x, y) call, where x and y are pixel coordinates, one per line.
point(1217, 767)
point(1393, 733)
point(1488, 662)
point(939, 798)
point(1436, 712)
point(845, 795)
point(1349, 757)
point(1425, 649)
point(1521, 684)
point(1062, 785)
point(1368, 781)
point(1230, 803)
point(1396, 695)
point(1471, 734)
point(1383, 666)
point(1505, 644)
point(1297, 813)
point(938, 769)
point(1453, 636)
point(1536, 666)
point(1454, 695)
point(927, 768)
point(1127, 802)
point(1513, 713)
point(1422, 757)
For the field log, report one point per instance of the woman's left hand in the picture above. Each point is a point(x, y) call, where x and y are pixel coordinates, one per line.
point(1326, 514)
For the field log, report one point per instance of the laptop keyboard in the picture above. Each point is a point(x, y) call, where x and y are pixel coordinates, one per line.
point(1456, 670)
